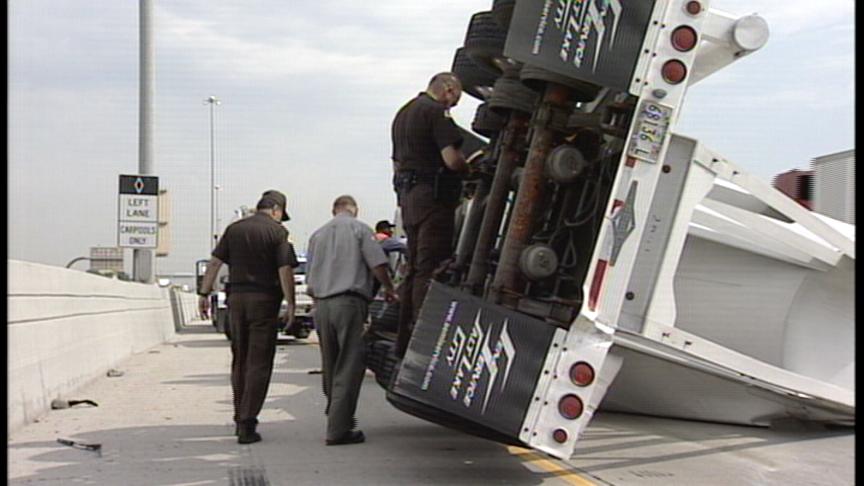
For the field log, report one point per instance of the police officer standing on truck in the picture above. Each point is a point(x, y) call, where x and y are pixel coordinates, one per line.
point(427, 160)
point(261, 265)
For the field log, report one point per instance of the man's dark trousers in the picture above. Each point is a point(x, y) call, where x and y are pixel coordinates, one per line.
point(339, 321)
point(429, 244)
point(254, 324)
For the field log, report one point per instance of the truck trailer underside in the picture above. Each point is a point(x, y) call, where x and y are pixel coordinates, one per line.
point(606, 261)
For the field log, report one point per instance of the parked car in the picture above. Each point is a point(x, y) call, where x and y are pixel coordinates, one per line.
point(303, 323)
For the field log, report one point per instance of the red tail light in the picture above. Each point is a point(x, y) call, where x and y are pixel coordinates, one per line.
point(570, 407)
point(582, 374)
point(684, 38)
point(693, 8)
point(560, 436)
point(674, 71)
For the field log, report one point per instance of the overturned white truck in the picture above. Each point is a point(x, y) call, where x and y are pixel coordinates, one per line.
point(607, 261)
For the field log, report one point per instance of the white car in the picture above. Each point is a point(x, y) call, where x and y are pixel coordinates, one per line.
point(302, 312)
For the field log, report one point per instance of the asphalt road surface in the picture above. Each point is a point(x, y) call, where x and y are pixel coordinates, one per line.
point(167, 421)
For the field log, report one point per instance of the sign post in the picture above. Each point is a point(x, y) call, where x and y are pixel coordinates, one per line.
point(138, 221)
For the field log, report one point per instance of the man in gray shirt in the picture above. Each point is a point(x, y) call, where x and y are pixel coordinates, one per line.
point(342, 258)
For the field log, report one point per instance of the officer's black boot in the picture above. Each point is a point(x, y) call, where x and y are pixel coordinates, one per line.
point(237, 426)
point(247, 433)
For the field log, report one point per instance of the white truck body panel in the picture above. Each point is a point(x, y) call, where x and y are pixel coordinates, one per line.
point(711, 295)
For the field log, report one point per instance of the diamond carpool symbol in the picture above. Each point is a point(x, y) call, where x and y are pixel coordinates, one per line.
point(139, 185)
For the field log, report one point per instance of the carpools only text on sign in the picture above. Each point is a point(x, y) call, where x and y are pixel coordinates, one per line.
point(138, 213)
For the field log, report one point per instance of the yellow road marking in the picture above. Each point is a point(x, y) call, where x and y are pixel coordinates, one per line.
point(549, 466)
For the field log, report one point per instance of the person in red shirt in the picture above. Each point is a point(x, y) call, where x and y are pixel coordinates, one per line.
point(383, 230)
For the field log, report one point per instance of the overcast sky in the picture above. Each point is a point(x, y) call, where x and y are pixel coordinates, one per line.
point(308, 92)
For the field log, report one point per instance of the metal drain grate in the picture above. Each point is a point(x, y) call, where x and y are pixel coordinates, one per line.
point(248, 476)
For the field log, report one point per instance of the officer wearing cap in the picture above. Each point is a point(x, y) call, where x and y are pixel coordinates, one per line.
point(261, 265)
point(427, 160)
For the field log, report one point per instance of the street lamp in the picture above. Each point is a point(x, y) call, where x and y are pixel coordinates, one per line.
point(212, 101)
point(218, 190)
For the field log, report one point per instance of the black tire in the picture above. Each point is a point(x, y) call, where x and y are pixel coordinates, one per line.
point(484, 43)
point(487, 122)
point(384, 316)
point(299, 328)
point(223, 324)
point(301, 333)
point(536, 78)
point(510, 94)
point(476, 81)
point(502, 12)
point(381, 360)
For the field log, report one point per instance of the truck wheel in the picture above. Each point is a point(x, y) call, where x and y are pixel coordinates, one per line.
point(502, 12)
point(384, 316)
point(536, 78)
point(475, 81)
point(484, 43)
point(487, 122)
point(222, 324)
point(510, 94)
point(302, 332)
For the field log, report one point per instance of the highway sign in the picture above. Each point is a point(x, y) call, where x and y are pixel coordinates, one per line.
point(138, 212)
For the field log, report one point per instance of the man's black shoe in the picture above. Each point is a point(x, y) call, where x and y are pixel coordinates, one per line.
point(249, 438)
point(247, 433)
point(350, 437)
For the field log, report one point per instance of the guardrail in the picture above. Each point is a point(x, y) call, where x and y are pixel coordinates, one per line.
point(67, 327)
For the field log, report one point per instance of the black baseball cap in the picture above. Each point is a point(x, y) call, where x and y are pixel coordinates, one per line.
point(384, 225)
point(274, 197)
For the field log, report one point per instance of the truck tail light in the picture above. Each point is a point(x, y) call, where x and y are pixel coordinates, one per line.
point(570, 407)
point(560, 436)
point(582, 374)
point(684, 38)
point(693, 8)
point(674, 71)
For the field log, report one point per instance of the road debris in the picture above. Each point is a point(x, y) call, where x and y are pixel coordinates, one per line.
point(59, 403)
point(81, 445)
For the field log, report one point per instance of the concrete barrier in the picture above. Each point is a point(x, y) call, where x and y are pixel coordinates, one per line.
point(184, 306)
point(67, 327)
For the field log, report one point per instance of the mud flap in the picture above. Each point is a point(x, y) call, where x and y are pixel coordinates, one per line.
point(474, 362)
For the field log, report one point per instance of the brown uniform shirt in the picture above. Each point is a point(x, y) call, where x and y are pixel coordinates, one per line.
point(254, 249)
point(421, 129)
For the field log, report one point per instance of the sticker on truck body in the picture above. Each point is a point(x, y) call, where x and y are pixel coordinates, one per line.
point(649, 131)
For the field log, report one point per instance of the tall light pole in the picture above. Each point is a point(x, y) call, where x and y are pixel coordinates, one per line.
point(212, 101)
point(142, 259)
point(218, 190)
